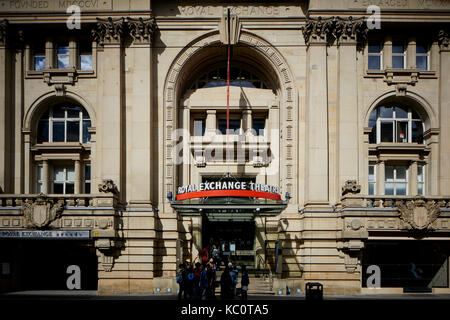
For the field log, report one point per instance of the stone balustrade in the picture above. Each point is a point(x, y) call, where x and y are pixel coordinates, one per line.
point(71, 200)
point(388, 201)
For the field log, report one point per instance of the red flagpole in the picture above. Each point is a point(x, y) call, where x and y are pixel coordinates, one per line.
point(228, 76)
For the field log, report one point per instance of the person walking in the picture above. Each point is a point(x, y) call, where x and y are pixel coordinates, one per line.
point(245, 281)
point(234, 278)
point(203, 284)
point(225, 284)
point(211, 272)
point(196, 282)
point(181, 280)
point(189, 286)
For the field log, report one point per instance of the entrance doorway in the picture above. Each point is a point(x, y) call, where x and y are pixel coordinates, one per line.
point(234, 239)
point(42, 264)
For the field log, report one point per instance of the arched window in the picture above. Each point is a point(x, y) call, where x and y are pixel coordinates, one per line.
point(397, 124)
point(239, 77)
point(64, 123)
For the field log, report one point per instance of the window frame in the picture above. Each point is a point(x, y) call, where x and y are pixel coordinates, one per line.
point(396, 181)
point(51, 120)
point(427, 54)
point(66, 181)
point(421, 166)
point(373, 54)
point(85, 180)
point(396, 54)
point(395, 120)
point(58, 55)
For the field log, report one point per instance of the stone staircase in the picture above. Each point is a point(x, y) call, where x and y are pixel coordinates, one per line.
point(259, 284)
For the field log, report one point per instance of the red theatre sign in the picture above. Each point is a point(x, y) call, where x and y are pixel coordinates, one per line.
point(228, 189)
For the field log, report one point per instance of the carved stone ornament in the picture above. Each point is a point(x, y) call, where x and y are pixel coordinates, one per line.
point(108, 186)
point(108, 30)
point(351, 186)
point(235, 29)
point(41, 212)
point(443, 39)
point(419, 214)
point(141, 29)
point(340, 28)
point(3, 31)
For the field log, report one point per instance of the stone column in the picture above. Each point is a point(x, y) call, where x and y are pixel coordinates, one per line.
point(45, 178)
point(380, 178)
point(246, 120)
point(196, 236)
point(18, 115)
point(387, 52)
point(413, 189)
point(348, 140)
point(73, 49)
point(317, 122)
point(5, 112)
point(49, 54)
point(411, 53)
point(77, 187)
point(110, 126)
point(444, 112)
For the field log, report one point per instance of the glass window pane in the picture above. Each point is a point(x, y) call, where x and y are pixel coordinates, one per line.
point(86, 62)
point(58, 173)
point(421, 48)
point(59, 111)
point(422, 62)
point(87, 187)
point(39, 171)
point(389, 173)
point(420, 188)
point(400, 189)
point(85, 114)
point(70, 188)
point(400, 173)
point(73, 131)
point(58, 131)
point(401, 113)
point(258, 126)
point(373, 133)
point(87, 172)
point(386, 112)
point(39, 188)
point(371, 173)
point(58, 187)
point(86, 134)
point(70, 171)
point(222, 126)
point(402, 131)
point(235, 125)
point(39, 63)
point(63, 49)
point(374, 48)
point(374, 63)
point(397, 47)
point(63, 61)
point(389, 189)
point(371, 188)
point(397, 62)
point(199, 127)
point(417, 132)
point(42, 132)
point(420, 173)
point(387, 131)
point(73, 112)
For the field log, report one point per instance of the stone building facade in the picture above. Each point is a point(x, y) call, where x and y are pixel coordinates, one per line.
point(103, 123)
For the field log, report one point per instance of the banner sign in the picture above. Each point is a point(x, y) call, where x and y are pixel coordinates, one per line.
point(228, 189)
point(46, 234)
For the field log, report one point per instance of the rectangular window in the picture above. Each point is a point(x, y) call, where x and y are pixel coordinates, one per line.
point(387, 131)
point(420, 180)
point(63, 179)
point(396, 180)
point(58, 131)
point(39, 179)
point(398, 55)
point(402, 131)
point(374, 56)
point(422, 56)
point(39, 57)
point(85, 56)
point(258, 126)
point(199, 127)
point(62, 56)
point(87, 178)
point(372, 179)
point(73, 131)
point(235, 125)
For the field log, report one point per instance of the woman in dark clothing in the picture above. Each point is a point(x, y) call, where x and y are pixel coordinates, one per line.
point(244, 283)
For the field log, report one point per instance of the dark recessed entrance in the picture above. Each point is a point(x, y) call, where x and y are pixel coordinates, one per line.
point(42, 264)
point(235, 240)
point(408, 264)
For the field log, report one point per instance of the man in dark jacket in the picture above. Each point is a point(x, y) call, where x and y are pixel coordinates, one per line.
point(181, 280)
point(226, 284)
point(244, 283)
point(189, 286)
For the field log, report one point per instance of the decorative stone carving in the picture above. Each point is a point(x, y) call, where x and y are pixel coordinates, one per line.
point(351, 251)
point(60, 90)
point(141, 29)
point(340, 28)
point(419, 214)
point(41, 212)
point(108, 186)
point(351, 186)
point(235, 29)
point(443, 39)
point(3, 31)
point(109, 30)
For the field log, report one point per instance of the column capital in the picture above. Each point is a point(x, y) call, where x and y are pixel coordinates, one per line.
point(4, 26)
point(141, 30)
point(108, 30)
point(444, 40)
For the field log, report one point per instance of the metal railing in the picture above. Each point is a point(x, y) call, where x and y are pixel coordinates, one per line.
point(267, 270)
